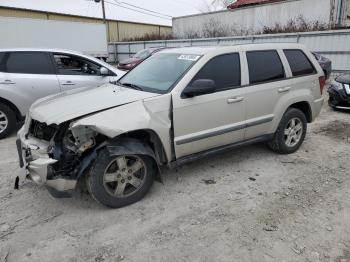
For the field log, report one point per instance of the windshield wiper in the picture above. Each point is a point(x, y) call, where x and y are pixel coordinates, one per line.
point(133, 86)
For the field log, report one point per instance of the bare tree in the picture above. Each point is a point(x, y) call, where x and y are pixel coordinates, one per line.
point(214, 5)
point(222, 3)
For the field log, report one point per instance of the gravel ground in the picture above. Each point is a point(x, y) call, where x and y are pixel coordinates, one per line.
point(246, 205)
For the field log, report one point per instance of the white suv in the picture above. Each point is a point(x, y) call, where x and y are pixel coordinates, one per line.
point(177, 106)
point(29, 74)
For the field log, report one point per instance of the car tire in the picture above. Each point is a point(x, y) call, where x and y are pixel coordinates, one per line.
point(7, 121)
point(290, 133)
point(108, 175)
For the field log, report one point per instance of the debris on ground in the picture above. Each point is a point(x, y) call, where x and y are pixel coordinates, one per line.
point(270, 228)
point(209, 181)
point(298, 249)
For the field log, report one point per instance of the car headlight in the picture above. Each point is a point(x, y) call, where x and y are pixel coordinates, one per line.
point(347, 88)
point(337, 85)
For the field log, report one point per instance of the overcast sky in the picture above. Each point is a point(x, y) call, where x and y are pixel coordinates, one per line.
point(90, 8)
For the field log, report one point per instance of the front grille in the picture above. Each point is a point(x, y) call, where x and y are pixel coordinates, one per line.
point(41, 130)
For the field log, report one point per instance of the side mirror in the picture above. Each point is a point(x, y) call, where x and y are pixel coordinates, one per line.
point(199, 87)
point(104, 71)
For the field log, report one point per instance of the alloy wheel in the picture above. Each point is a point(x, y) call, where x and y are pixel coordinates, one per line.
point(293, 132)
point(124, 176)
point(3, 122)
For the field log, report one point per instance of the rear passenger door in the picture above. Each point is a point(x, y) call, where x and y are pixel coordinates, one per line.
point(28, 76)
point(75, 71)
point(266, 86)
point(212, 120)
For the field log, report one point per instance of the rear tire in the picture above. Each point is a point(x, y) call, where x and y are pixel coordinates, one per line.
point(112, 181)
point(7, 121)
point(290, 133)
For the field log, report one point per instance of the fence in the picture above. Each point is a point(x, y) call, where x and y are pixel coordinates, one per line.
point(333, 44)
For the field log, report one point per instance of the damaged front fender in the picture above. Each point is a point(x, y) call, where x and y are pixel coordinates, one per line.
point(129, 146)
point(150, 114)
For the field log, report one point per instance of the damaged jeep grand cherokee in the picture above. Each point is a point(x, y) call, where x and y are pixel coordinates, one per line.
point(176, 107)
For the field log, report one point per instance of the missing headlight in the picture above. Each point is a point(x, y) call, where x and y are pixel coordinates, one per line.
point(81, 139)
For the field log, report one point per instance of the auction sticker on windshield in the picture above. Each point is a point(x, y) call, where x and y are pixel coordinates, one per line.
point(189, 57)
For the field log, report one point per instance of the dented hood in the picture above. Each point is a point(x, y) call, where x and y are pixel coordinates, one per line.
point(73, 104)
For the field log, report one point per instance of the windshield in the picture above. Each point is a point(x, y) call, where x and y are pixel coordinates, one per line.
point(159, 72)
point(143, 54)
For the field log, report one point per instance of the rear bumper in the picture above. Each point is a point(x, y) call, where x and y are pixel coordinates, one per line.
point(317, 106)
point(37, 164)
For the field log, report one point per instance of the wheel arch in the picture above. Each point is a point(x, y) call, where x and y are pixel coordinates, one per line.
point(149, 137)
point(143, 141)
point(13, 107)
point(305, 107)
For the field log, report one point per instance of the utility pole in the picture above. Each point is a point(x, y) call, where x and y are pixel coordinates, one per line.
point(103, 11)
point(104, 16)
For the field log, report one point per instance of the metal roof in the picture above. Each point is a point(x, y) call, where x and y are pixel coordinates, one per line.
point(242, 3)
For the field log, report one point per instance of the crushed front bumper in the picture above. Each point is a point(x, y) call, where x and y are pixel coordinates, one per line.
point(37, 164)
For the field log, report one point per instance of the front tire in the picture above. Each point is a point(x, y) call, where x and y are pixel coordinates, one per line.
point(290, 133)
point(117, 181)
point(7, 121)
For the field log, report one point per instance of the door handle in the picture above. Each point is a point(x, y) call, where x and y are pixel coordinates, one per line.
point(235, 100)
point(7, 82)
point(68, 83)
point(284, 89)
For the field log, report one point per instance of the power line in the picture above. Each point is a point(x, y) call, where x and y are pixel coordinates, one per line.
point(148, 10)
point(135, 10)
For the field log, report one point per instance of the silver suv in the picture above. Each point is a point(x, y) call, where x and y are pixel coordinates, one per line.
point(29, 74)
point(177, 106)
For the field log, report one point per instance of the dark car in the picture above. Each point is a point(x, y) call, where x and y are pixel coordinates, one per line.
point(339, 92)
point(138, 58)
point(325, 63)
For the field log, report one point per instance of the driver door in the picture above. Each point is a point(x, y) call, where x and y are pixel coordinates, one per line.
point(75, 72)
point(211, 120)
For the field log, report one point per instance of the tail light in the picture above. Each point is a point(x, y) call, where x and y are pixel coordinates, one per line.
point(322, 80)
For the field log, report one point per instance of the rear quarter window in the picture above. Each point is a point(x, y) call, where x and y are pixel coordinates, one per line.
point(299, 63)
point(264, 66)
point(28, 63)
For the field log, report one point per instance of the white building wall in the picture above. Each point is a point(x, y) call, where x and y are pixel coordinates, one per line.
point(254, 18)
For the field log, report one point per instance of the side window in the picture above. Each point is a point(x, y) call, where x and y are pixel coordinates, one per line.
point(225, 70)
point(2, 62)
point(28, 63)
point(264, 66)
point(74, 65)
point(299, 63)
